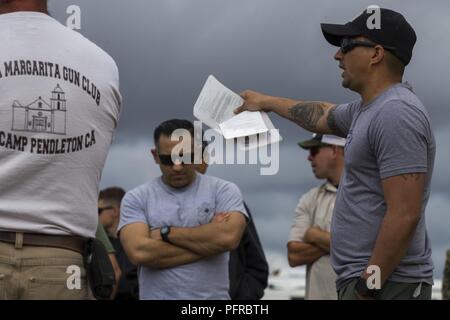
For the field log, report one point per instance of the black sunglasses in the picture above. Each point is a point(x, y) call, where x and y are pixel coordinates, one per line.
point(315, 150)
point(348, 44)
point(100, 210)
point(166, 159)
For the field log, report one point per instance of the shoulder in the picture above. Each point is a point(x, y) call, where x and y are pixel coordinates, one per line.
point(349, 107)
point(217, 183)
point(316, 190)
point(401, 101)
point(400, 107)
point(141, 192)
point(397, 113)
point(86, 48)
point(311, 195)
point(102, 57)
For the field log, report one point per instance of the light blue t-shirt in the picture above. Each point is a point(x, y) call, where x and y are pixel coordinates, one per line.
point(390, 136)
point(157, 204)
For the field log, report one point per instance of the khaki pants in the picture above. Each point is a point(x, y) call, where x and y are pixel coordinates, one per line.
point(390, 291)
point(30, 272)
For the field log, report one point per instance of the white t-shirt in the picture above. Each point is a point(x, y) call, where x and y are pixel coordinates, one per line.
point(59, 106)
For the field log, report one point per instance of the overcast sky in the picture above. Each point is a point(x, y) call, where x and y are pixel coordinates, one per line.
point(165, 49)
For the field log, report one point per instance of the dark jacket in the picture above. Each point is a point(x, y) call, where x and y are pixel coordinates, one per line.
point(248, 266)
point(128, 283)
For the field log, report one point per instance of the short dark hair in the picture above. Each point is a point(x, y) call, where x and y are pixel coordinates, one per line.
point(11, 2)
point(112, 195)
point(168, 127)
point(395, 65)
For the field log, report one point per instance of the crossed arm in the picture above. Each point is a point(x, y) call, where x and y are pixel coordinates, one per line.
point(145, 247)
point(315, 116)
point(212, 238)
point(315, 244)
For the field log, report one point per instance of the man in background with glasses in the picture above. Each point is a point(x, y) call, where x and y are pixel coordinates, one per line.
point(109, 200)
point(179, 228)
point(379, 247)
point(309, 240)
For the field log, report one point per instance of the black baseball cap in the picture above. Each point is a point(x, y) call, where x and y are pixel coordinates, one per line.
point(393, 32)
point(320, 140)
point(315, 141)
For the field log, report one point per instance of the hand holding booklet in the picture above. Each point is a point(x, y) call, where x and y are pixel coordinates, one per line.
point(215, 106)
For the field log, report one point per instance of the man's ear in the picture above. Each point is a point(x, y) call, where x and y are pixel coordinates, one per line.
point(335, 150)
point(155, 155)
point(378, 55)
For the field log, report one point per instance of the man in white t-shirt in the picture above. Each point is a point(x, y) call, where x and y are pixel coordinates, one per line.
point(179, 227)
point(59, 106)
point(309, 240)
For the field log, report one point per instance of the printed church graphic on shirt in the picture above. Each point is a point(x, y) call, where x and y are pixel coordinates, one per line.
point(41, 116)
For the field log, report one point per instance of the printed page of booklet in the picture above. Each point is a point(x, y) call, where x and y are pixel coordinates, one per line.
point(215, 106)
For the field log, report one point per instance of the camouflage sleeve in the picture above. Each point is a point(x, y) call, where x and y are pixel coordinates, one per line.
point(446, 279)
point(103, 237)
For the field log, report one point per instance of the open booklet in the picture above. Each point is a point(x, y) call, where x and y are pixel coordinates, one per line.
point(215, 106)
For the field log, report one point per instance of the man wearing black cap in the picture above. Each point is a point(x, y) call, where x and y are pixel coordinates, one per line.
point(380, 248)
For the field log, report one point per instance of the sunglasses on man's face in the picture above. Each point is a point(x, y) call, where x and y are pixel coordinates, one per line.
point(166, 159)
point(100, 210)
point(315, 150)
point(348, 44)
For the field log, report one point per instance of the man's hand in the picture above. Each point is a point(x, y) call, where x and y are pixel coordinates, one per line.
point(318, 237)
point(360, 297)
point(311, 235)
point(254, 101)
point(301, 253)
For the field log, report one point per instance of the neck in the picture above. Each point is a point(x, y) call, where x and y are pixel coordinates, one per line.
point(24, 5)
point(336, 176)
point(376, 86)
point(112, 230)
point(166, 182)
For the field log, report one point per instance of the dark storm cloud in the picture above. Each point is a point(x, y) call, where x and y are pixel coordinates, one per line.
point(165, 49)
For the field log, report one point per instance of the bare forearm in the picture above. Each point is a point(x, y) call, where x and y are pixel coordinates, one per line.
point(205, 240)
point(323, 241)
point(161, 255)
point(310, 115)
point(300, 253)
point(392, 243)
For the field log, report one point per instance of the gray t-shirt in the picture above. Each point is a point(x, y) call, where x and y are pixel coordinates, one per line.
point(390, 136)
point(157, 204)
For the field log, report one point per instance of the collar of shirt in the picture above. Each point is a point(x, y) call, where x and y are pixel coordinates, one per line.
point(329, 187)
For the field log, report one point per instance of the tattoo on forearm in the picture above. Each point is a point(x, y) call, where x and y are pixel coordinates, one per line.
point(307, 114)
point(409, 176)
point(332, 123)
